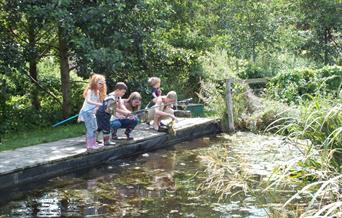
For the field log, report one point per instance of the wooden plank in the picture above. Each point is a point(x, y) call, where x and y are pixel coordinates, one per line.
point(257, 80)
point(229, 103)
point(36, 163)
point(252, 81)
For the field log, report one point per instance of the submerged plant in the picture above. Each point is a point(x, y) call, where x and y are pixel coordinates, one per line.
point(223, 178)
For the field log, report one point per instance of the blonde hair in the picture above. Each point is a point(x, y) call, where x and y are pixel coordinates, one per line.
point(133, 96)
point(172, 95)
point(153, 80)
point(92, 85)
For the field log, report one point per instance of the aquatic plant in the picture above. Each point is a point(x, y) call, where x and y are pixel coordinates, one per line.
point(223, 178)
point(318, 184)
point(317, 172)
point(319, 120)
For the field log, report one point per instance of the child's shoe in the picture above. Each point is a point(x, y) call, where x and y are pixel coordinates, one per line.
point(127, 133)
point(114, 134)
point(88, 143)
point(93, 144)
point(106, 140)
point(99, 137)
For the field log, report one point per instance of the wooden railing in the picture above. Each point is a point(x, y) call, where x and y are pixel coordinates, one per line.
point(229, 97)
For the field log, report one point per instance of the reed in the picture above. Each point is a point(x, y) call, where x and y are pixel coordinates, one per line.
point(318, 172)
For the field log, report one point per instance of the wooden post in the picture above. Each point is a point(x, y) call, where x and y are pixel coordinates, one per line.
point(229, 102)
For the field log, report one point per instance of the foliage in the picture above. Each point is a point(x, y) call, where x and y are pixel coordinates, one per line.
point(316, 181)
point(17, 108)
point(217, 67)
point(50, 79)
point(320, 26)
point(317, 172)
point(251, 27)
point(319, 121)
point(249, 111)
point(253, 71)
point(301, 83)
point(182, 42)
point(265, 114)
point(332, 76)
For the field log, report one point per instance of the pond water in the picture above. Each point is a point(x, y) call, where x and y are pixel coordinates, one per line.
point(164, 183)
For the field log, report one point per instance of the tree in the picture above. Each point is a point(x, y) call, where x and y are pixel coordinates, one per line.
point(25, 23)
point(250, 27)
point(320, 23)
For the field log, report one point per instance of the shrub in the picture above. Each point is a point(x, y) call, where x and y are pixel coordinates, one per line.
point(16, 110)
point(319, 120)
point(332, 76)
point(291, 87)
point(217, 67)
point(251, 71)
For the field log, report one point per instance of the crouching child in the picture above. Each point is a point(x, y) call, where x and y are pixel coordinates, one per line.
point(108, 108)
point(124, 116)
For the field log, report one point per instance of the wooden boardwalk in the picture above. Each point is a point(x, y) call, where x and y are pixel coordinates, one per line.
point(48, 160)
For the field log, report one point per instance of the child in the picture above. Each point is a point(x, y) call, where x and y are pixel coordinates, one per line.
point(155, 83)
point(162, 109)
point(94, 94)
point(110, 106)
point(123, 117)
point(133, 102)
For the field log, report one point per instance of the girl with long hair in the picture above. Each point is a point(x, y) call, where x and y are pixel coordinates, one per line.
point(94, 95)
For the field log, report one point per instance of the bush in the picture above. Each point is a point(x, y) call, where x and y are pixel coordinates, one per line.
point(252, 71)
point(269, 113)
point(319, 120)
point(291, 87)
point(249, 111)
point(16, 111)
point(332, 76)
point(216, 68)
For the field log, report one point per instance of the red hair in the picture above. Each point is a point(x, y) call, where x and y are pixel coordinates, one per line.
point(92, 85)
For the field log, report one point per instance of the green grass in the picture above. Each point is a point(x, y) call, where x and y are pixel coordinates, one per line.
point(33, 137)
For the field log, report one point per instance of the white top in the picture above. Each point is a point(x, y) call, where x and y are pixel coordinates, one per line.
point(92, 96)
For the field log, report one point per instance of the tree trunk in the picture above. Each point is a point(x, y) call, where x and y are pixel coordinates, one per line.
point(327, 38)
point(34, 94)
point(65, 73)
point(254, 53)
point(326, 32)
point(33, 67)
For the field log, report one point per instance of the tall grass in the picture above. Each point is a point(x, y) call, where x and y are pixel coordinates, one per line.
point(319, 120)
point(318, 184)
point(315, 176)
point(318, 172)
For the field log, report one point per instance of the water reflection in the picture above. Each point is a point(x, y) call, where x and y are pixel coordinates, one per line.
point(159, 184)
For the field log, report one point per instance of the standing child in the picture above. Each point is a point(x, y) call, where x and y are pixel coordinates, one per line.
point(155, 84)
point(94, 94)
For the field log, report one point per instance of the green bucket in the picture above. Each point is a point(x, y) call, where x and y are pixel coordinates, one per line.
point(197, 110)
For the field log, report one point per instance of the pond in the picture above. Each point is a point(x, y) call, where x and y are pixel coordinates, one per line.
point(165, 183)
